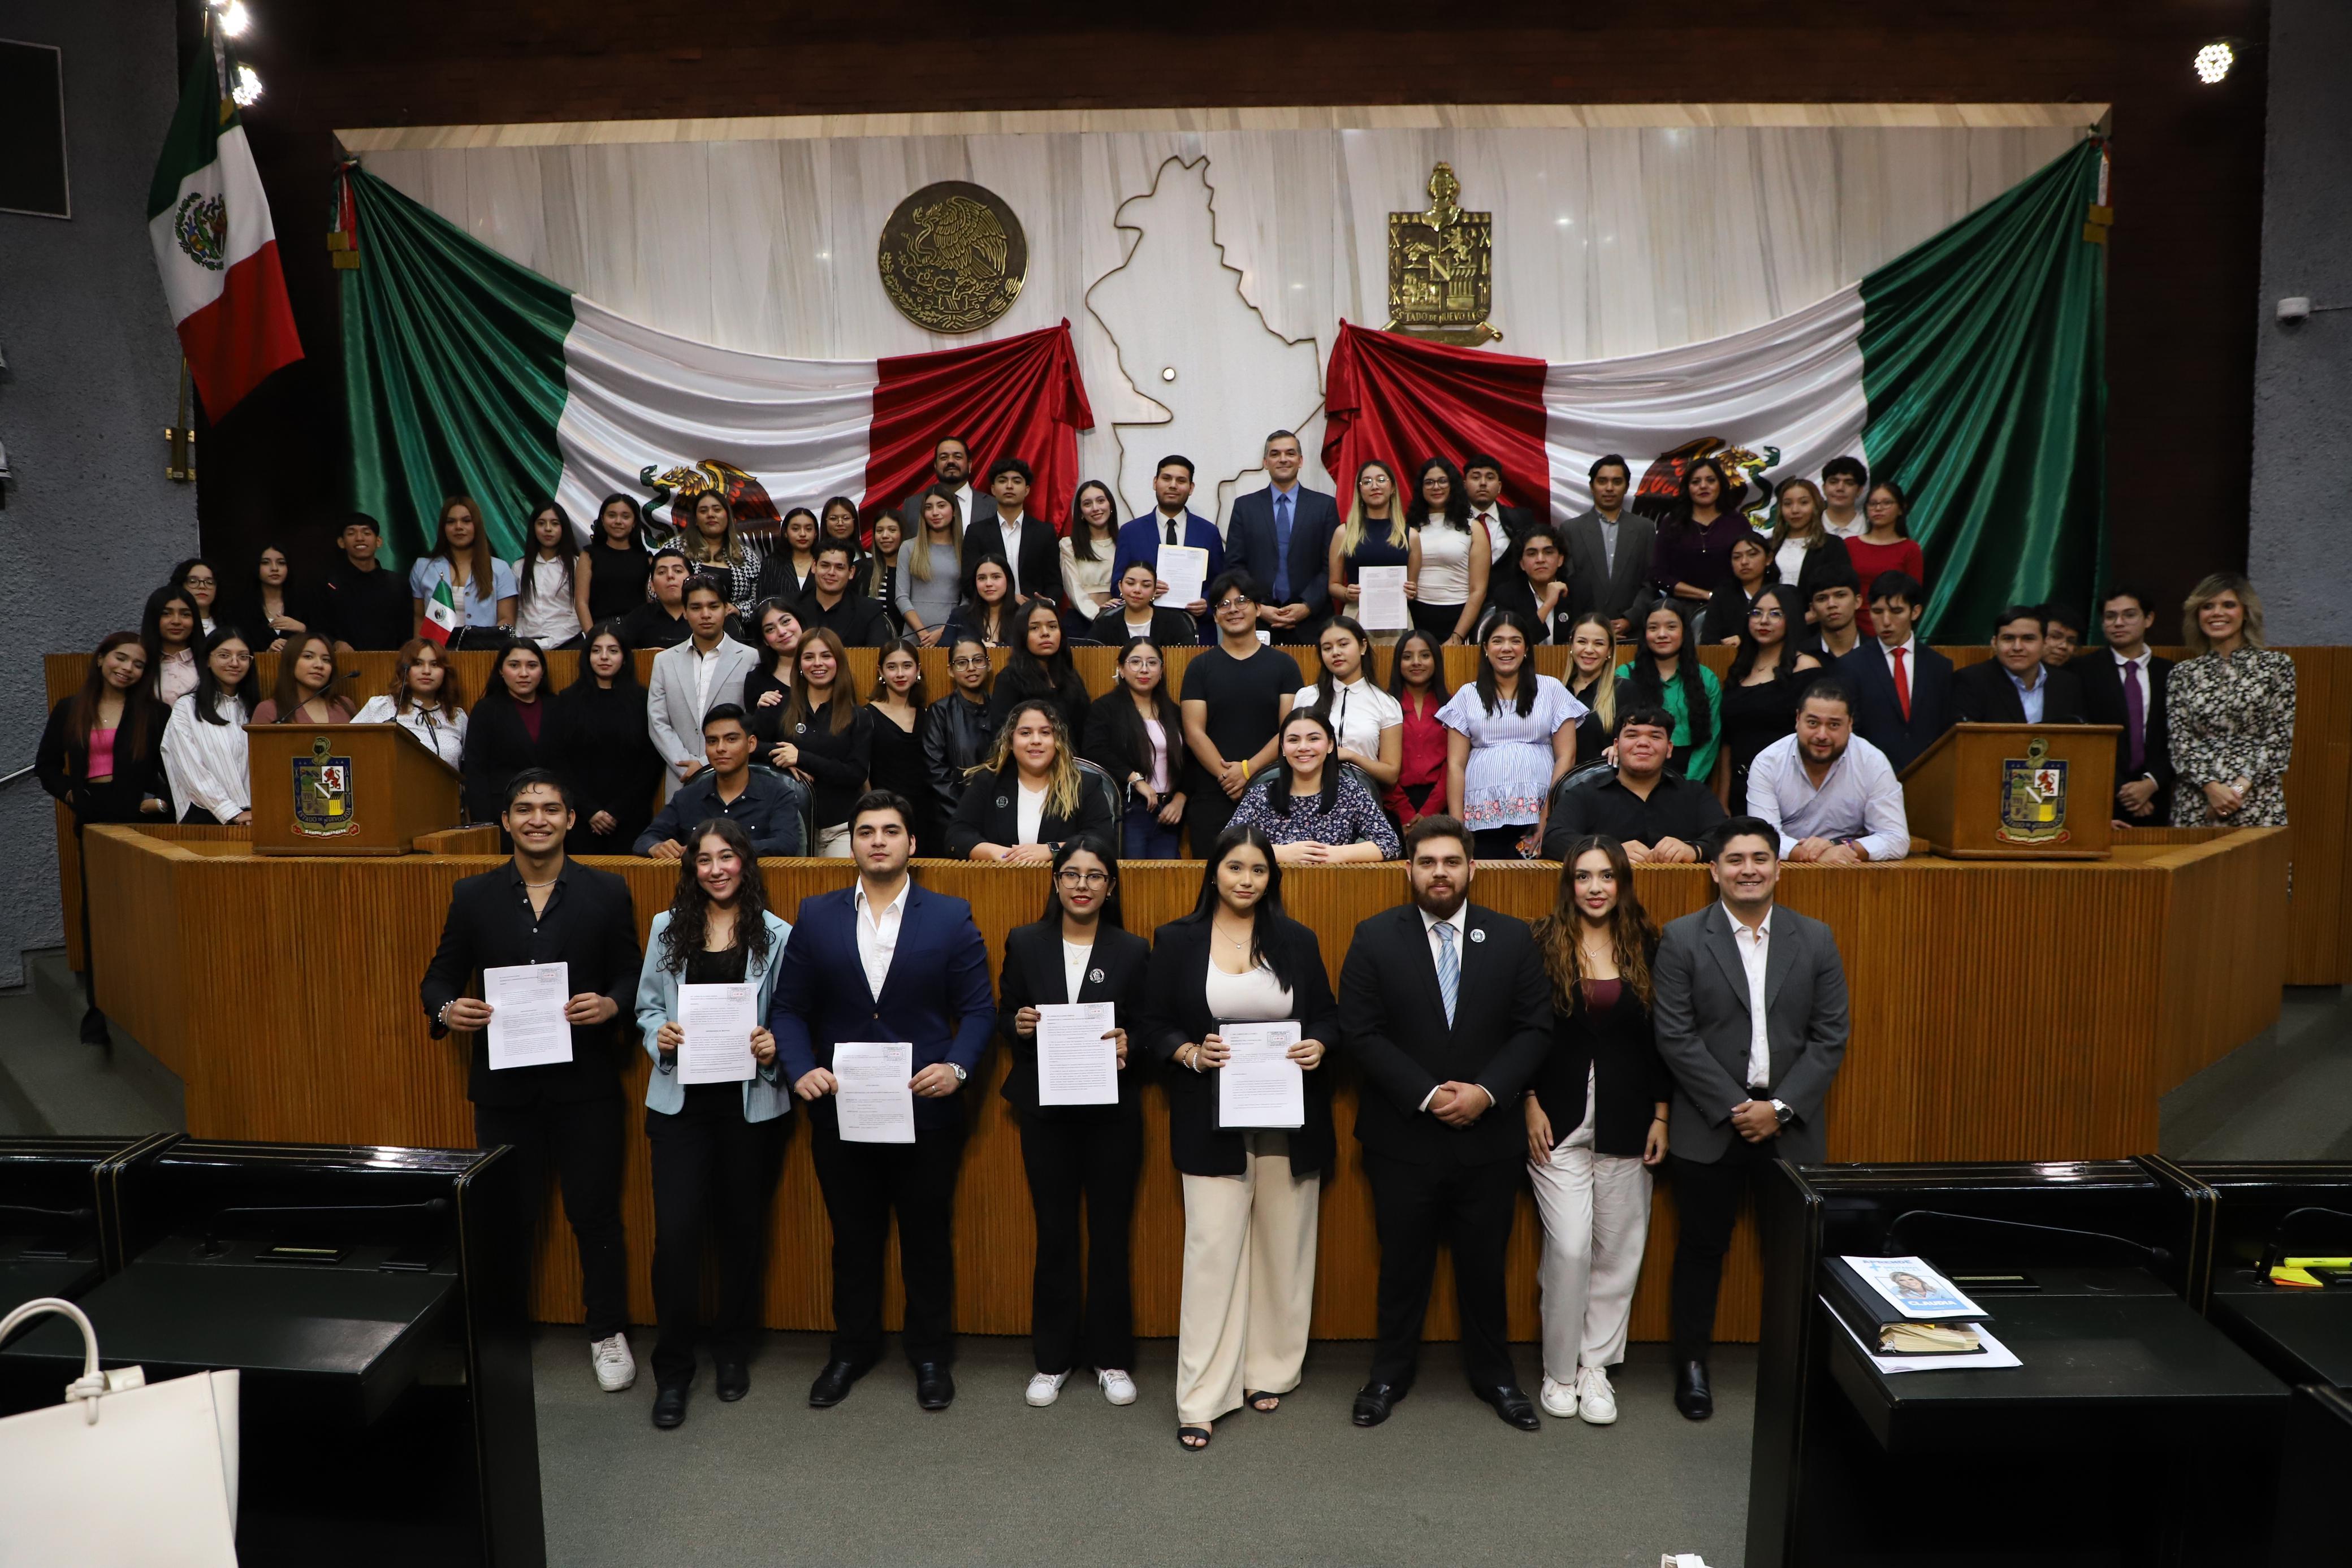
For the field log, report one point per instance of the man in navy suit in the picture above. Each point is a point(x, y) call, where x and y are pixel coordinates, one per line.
point(2124, 685)
point(1172, 522)
point(1282, 537)
point(887, 960)
point(1902, 716)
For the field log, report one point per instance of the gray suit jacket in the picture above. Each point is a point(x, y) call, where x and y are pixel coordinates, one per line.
point(1700, 990)
point(671, 715)
point(1592, 584)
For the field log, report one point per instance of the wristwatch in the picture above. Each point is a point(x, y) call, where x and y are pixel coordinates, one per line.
point(960, 1072)
point(1781, 1109)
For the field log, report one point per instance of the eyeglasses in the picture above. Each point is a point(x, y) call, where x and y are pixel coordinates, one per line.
point(192, 580)
point(968, 662)
point(1235, 603)
point(1083, 878)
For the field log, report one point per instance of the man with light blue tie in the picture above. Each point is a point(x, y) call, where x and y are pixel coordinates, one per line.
point(1282, 536)
point(1172, 522)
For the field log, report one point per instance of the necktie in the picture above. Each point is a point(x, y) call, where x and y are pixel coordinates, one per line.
point(1449, 970)
point(2135, 715)
point(1901, 683)
point(1282, 550)
point(1172, 532)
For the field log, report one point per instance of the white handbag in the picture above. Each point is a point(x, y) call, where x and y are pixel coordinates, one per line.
point(125, 1473)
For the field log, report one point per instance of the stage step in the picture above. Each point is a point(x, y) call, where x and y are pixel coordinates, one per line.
point(52, 1084)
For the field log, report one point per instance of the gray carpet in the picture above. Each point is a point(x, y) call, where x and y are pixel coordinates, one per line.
point(875, 1480)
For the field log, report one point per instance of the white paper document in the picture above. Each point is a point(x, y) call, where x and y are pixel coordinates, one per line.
point(1259, 1085)
point(717, 1021)
point(1185, 570)
point(1382, 606)
point(1076, 1065)
point(1994, 1356)
point(874, 1101)
point(527, 1023)
point(1912, 1287)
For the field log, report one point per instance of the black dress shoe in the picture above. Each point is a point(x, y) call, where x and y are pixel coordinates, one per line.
point(934, 1384)
point(734, 1381)
point(1693, 1398)
point(1375, 1400)
point(93, 1029)
point(669, 1406)
point(1512, 1403)
point(833, 1385)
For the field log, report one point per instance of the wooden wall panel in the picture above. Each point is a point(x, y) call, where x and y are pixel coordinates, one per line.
point(1972, 1040)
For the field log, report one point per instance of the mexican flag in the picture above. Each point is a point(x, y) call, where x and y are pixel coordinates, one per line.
point(467, 372)
point(209, 223)
point(1967, 370)
point(441, 617)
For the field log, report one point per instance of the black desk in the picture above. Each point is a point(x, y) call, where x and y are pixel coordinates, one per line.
point(2304, 1336)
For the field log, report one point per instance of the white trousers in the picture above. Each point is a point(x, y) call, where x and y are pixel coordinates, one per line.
point(1249, 1284)
point(1596, 1219)
point(832, 843)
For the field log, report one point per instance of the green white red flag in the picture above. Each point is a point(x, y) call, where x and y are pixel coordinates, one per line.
point(441, 618)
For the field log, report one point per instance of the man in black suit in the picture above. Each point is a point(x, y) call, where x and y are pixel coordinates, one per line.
point(543, 908)
point(2123, 683)
point(1282, 536)
point(1902, 687)
point(1446, 1009)
point(1609, 548)
point(1482, 481)
point(1004, 527)
point(858, 619)
point(2014, 686)
point(951, 466)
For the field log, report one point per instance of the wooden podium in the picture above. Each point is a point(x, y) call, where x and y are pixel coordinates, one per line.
point(2013, 792)
point(345, 789)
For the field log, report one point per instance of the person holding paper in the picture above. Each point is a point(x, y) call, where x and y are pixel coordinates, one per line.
point(1251, 1194)
point(1233, 699)
point(1373, 536)
point(885, 960)
point(1171, 522)
point(718, 1142)
point(1028, 795)
point(1081, 1125)
point(543, 908)
point(1133, 614)
point(1447, 1011)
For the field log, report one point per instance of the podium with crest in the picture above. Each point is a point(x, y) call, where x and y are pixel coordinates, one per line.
point(345, 789)
point(2015, 791)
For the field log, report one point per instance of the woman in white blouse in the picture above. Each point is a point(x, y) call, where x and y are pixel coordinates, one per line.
point(547, 610)
point(1087, 549)
point(204, 743)
point(1368, 722)
point(1446, 575)
point(423, 700)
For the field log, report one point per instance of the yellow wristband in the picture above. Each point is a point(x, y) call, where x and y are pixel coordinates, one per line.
point(1245, 772)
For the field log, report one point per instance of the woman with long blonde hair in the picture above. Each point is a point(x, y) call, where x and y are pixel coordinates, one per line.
point(2231, 708)
point(931, 578)
point(1028, 794)
point(1358, 544)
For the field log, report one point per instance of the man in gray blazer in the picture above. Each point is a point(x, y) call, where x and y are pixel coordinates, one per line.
point(1609, 549)
point(1749, 1002)
point(951, 466)
point(701, 673)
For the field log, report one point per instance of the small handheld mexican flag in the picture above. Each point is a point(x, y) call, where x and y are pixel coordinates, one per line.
point(441, 620)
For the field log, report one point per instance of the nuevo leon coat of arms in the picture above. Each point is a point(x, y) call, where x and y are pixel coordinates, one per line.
point(201, 227)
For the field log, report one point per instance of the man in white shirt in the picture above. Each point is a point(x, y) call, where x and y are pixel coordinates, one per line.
point(1026, 543)
point(707, 669)
point(1832, 794)
point(1482, 481)
point(1843, 479)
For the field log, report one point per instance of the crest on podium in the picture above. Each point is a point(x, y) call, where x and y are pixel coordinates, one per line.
point(322, 793)
point(2033, 796)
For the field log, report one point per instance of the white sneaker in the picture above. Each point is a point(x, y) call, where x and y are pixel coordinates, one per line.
point(1596, 1402)
point(615, 1367)
point(1116, 1385)
point(1045, 1387)
point(1559, 1399)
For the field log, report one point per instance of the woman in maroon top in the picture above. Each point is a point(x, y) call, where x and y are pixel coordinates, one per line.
point(1886, 545)
point(1692, 557)
point(1417, 681)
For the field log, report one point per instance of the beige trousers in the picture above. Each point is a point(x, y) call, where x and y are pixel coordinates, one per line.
point(1596, 1219)
point(832, 843)
point(1249, 1282)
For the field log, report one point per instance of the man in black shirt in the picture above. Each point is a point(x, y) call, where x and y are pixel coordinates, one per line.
point(365, 606)
point(661, 622)
point(1658, 816)
point(542, 908)
point(858, 620)
point(1235, 696)
point(768, 808)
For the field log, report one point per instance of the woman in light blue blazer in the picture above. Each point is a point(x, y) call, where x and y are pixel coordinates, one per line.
point(718, 1146)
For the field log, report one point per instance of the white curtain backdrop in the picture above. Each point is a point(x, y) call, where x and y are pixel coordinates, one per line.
point(1232, 266)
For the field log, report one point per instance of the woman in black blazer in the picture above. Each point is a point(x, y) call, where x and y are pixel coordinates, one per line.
point(1040, 667)
point(1135, 734)
point(1596, 1118)
point(1074, 1152)
point(1030, 766)
point(511, 728)
point(1250, 1195)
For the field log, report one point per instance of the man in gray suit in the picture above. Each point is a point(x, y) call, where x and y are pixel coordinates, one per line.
point(1609, 548)
point(701, 673)
point(1751, 1020)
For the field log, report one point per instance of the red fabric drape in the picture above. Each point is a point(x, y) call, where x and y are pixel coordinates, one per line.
point(1016, 397)
point(1404, 400)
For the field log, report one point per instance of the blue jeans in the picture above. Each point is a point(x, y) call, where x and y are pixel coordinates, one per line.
point(1148, 838)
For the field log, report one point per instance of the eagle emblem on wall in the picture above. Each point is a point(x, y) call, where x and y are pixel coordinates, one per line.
point(952, 257)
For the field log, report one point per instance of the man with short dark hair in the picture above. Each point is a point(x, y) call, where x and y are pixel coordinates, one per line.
point(1750, 1001)
point(1902, 687)
point(1446, 1009)
point(1171, 522)
point(1007, 529)
point(769, 808)
point(1609, 548)
point(1829, 792)
point(689, 680)
point(543, 908)
point(1657, 814)
point(951, 466)
point(1233, 700)
point(660, 621)
point(2124, 685)
point(1282, 536)
point(885, 960)
point(858, 619)
point(364, 607)
point(2062, 636)
point(1843, 480)
point(1836, 605)
point(2014, 686)
point(1482, 482)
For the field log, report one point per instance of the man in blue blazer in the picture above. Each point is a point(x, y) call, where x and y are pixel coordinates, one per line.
point(1901, 722)
point(1172, 521)
point(887, 960)
point(1282, 536)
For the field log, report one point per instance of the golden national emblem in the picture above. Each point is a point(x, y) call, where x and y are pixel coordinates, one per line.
point(953, 257)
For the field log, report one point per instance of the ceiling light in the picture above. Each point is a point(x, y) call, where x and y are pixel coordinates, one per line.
point(2213, 62)
point(234, 19)
point(247, 90)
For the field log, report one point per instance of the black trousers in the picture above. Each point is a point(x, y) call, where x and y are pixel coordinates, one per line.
point(1207, 810)
point(1470, 1208)
point(1497, 843)
point(714, 1176)
point(1094, 1160)
point(581, 1139)
point(864, 1185)
point(1707, 1206)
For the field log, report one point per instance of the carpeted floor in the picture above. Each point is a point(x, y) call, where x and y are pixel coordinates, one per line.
point(875, 1480)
